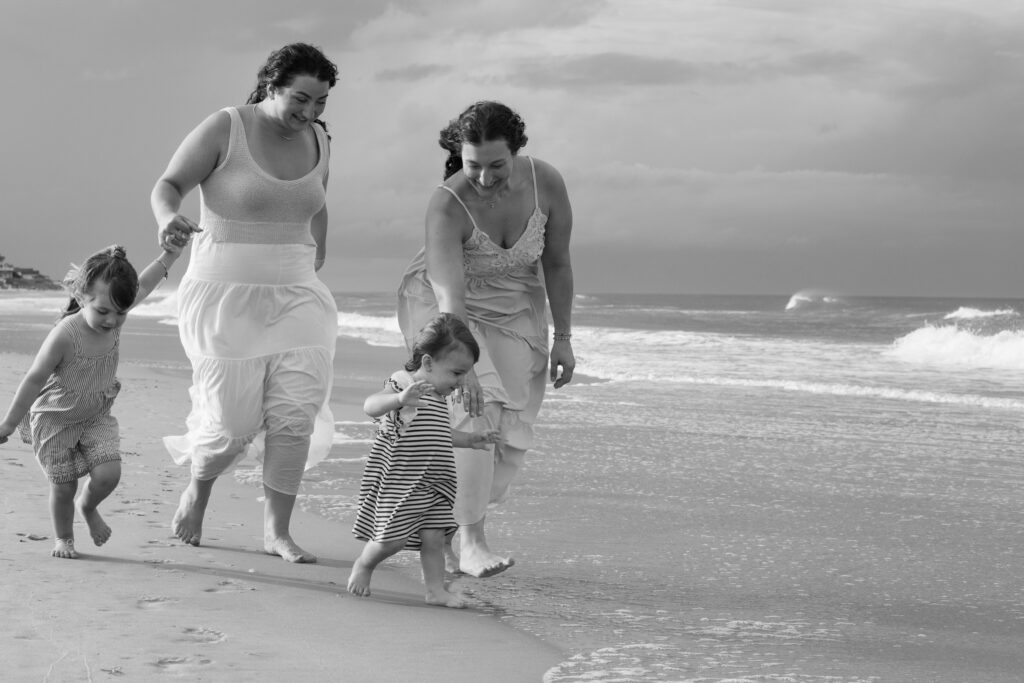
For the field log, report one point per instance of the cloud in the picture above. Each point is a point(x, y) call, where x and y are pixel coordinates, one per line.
point(637, 70)
point(414, 72)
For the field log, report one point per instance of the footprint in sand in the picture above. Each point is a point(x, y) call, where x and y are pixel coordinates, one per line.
point(203, 635)
point(180, 665)
point(154, 602)
point(229, 586)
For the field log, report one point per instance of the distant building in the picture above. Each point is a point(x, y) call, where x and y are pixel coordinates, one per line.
point(16, 277)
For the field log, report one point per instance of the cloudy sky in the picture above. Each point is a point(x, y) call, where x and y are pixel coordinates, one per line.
point(709, 146)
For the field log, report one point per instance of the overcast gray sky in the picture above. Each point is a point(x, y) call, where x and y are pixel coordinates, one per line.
point(709, 146)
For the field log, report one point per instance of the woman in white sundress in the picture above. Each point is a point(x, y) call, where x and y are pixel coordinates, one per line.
point(258, 325)
point(497, 246)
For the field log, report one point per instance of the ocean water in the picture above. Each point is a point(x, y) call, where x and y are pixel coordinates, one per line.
point(812, 487)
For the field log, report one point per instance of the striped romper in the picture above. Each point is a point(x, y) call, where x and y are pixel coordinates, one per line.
point(408, 483)
point(72, 428)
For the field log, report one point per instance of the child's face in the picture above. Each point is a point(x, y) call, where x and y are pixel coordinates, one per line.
point(99, 313)
point(447, 372)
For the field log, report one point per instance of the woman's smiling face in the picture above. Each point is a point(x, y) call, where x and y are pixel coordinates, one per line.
point(488, 165)
point(299, 104)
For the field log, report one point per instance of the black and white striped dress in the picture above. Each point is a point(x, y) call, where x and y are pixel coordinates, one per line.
point(408, 483)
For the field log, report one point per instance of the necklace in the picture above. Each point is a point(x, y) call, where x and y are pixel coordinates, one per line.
point(276, 132)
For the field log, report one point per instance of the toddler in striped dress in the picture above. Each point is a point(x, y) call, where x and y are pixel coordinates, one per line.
point(408, 486)
point(65, 397)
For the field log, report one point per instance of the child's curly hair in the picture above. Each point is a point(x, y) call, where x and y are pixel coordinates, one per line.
point(110, 266)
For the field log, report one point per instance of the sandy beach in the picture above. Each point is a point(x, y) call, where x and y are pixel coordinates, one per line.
point(144, 606)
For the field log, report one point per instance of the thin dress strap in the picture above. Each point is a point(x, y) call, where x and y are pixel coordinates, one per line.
point(459, 200)
point(536, 195)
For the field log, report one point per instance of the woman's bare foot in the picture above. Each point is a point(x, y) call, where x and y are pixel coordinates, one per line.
point(286, 548)
point(98, 529)
point(480, 562)
point(64, 548)
point(187, 524)
point(359, 579)
point(451, 560)
point(445, 598)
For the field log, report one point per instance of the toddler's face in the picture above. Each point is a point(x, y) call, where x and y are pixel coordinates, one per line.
point(100, 314)
point(447, 372)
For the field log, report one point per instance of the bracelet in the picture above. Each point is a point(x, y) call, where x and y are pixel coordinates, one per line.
point(562, 336)
point(166, 271)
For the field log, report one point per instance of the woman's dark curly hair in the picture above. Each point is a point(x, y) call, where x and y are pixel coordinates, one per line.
point(284, 65)
point(110, 266)
point(443, 334)
point(481, 122)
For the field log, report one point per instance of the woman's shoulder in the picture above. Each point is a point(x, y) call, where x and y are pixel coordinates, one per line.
point(547, 175)
point(446, 201)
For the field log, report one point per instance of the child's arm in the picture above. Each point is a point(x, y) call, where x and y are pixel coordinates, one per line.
point(51, 353)
point(156, 271)
point(478, 440)
point(387, 399)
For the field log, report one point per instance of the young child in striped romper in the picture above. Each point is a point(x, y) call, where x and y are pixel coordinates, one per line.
point(68, 391)
point(408, 486)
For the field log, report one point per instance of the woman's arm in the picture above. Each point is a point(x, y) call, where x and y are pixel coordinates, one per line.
point(447, 229)
point(444, 237)
point(558, 279)
point(56, 345)
point(318, 227)
point(196, 157)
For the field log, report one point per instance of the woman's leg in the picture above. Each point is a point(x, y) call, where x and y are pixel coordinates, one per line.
point(227, 413)
point(295, 389)
point(277, 517)
point(103, 479)
point(432, 562)
point(362, 569)
point(188, 519)
point(475, 491)
point(62, 511)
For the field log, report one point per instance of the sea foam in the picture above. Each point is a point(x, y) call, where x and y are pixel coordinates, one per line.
point(952, 346)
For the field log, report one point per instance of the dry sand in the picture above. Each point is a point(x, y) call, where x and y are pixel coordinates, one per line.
point(146, 607)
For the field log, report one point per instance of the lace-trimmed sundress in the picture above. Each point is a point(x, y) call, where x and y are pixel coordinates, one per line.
point(251, 309)
point(506, 305)
point(71, 426)
point(408, 482)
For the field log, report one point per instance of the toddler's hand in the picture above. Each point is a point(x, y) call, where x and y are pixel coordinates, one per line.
point(410, 396)
point(481, 440)
point(4, 433)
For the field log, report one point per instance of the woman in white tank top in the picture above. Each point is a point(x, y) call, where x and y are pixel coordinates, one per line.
point(255, 320)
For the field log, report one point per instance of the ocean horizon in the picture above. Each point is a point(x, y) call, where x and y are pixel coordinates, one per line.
point(800, 487)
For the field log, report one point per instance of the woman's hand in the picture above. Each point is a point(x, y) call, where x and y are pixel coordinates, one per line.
point(176, 233)
point(563, 362)
point(471, 395)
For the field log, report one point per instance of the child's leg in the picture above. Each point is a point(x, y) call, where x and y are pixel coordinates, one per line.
point(62, 511)
point(103, 479)
point(432, 561)
point(362, 569)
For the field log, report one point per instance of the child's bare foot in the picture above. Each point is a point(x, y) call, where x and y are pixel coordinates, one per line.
point(359, 579)
point(64, 548)
point(286, 548)
point(480, 562)
point(98, 529)
point(445, 598)
point(187, 524)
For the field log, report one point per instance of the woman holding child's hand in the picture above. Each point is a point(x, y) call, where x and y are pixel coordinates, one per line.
point(497, 246)
point(257, 324)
